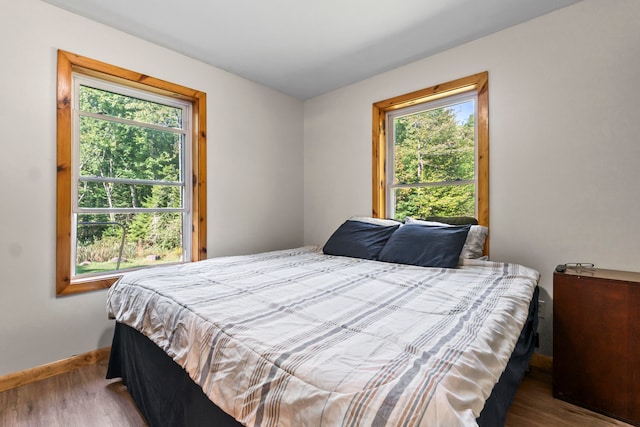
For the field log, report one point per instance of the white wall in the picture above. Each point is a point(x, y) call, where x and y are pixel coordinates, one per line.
point(564, 140)
point(255, 161)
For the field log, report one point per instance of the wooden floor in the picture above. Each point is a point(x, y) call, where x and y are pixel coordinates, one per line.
point(534, 405)
point(84, 398)
point(78, 398)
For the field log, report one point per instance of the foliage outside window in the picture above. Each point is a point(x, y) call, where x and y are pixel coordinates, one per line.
point(430, 152)
point(132, 201)
point(131, 169)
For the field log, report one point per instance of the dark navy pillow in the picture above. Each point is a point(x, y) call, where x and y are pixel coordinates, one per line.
point(425, 245)
point(358, 240)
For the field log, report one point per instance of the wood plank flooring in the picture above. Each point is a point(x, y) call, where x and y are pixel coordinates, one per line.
point(535, 406)
point(77, 398)
point(84, 398)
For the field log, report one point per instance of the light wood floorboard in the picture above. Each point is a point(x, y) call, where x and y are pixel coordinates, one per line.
point(81, 397)
point(535, 406)
point(84, 398)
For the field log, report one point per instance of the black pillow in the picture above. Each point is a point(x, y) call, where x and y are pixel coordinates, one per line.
point(425, 245)
point(358, 240)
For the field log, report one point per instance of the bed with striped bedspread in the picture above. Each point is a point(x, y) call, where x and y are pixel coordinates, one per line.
point(299, 338)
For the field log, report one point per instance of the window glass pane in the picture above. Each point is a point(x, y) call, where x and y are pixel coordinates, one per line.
point(113, 104)
point(118, 195)
point(149, 239)
point(117, 150)
point(421, 202)
point(436, 145)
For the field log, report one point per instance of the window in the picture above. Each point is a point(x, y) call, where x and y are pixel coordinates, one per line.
point(131, 173)
point(430, 152)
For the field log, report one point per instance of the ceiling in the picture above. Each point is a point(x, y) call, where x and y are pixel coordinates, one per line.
point(305, 48)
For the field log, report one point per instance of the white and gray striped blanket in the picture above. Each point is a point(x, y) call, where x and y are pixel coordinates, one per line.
point(298, 338)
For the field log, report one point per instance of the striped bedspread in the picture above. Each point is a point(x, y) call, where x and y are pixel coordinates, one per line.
point(298, 338)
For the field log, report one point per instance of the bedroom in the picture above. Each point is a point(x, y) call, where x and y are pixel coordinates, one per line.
point(563, 155)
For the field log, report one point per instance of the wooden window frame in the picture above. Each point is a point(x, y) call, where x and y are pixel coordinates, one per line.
point(69, 63)
point(477, 82)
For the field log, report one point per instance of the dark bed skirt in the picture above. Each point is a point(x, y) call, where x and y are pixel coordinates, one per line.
point(166, 395)
point(162, 390)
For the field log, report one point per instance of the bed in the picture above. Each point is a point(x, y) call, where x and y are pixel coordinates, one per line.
point(303, 337)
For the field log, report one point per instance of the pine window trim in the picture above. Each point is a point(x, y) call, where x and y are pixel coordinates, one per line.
point(477, 82)
point(69, 63)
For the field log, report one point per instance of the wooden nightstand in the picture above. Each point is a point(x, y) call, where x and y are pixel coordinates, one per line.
point(596, 341)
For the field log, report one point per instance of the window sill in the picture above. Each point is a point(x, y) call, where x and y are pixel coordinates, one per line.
point(87, 284)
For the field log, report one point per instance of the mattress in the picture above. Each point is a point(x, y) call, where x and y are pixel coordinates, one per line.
point(296, 337)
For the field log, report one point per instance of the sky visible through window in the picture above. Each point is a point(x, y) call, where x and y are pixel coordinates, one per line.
point(463, 111)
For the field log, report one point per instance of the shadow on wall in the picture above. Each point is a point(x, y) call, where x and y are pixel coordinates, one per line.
point(106, 337)
point(545, 322)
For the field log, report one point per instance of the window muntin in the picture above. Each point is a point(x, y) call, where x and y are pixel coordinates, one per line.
point(131, 200)
point(431, 158)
